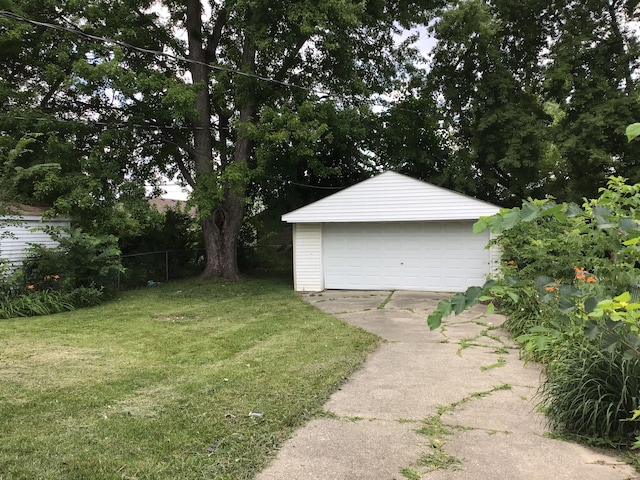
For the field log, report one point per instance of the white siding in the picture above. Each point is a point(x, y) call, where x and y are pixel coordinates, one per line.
point(15, 239)
point(307, 257)
point(392, 197)
point(496, 257)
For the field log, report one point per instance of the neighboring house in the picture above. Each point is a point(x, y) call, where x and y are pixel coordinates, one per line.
point(163, 204)
point(21, 228)
point(391, 232)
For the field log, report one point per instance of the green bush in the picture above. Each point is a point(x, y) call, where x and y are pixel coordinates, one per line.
point(79, 260)
point(566, 275)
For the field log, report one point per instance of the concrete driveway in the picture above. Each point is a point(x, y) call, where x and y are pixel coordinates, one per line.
point(455, 403)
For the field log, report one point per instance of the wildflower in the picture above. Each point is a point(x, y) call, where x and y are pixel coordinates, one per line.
point(56, 277)
point(550, 288)
point(511, 262)
point(592, 280)
point(31, 287)
point(580, 273)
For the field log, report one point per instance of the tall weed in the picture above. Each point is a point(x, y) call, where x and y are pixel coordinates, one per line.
point(591, 393)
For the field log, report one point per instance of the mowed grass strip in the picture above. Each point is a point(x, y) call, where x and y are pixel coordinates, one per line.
point(160, 383)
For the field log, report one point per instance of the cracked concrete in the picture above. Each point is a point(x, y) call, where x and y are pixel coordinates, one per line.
point(453, 374)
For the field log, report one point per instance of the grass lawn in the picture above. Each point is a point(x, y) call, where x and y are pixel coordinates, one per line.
point(160, 383)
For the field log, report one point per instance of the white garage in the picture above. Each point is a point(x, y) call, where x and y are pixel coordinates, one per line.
point(391, 232)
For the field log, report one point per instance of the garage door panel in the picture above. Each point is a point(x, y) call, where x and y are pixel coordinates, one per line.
point(444, 256)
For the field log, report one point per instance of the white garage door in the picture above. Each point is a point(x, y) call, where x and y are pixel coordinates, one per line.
point(436, 256)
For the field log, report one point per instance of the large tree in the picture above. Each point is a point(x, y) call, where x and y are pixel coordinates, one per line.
point(485, 77)
point(592, 75)
point(185, 85)
point(536, 95)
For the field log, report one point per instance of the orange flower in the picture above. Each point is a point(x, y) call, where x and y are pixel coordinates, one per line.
point(592, 280)
point(56, 277)
point(580, 273)
point(31, 287)
point(550, 288)
point(511, 262)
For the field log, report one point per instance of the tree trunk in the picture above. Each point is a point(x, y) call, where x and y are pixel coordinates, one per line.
point(219, 245)
point(221, 229)
point(220, 226)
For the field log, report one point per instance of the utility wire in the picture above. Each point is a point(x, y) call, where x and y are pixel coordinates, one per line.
point(106, 40)
point(180, 58)
point(122, 124)
point(209, 156)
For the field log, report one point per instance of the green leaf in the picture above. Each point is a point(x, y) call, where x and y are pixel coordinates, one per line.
point(480, 226)
point(566, 305)
point(444, 308)
point(591, 330)
point(495, 224)
point(556, 211)
point(633, 131)
point(459, 302)
point(510, 219)
point(628, 225)
point(636, 415)
point(601, 211)
point(491, 308)
point(590, 304)
point(543, 281)
point(570, 291)
point(541, 342)
point(472, 295)
point(529, 212)
point(573, 210)
point(609, 342)
point(513, 296)
point(434, 320)
point(623, 297)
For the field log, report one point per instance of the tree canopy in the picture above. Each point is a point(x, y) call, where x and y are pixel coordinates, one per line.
point(191, 87)
point(278, 103)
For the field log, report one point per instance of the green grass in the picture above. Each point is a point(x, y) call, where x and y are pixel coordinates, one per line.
point(386, 300)
point(160, 382)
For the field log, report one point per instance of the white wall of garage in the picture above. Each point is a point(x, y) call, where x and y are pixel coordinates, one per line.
point(391, 232)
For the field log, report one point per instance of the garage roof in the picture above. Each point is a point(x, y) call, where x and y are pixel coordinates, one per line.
point(392, 197)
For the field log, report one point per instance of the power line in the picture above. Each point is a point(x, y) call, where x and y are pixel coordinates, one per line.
point(209, 156)
point(106, 40)
point(88, 122)
point(180, 58)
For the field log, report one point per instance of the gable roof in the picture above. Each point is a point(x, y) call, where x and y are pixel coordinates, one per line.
point(392, 197)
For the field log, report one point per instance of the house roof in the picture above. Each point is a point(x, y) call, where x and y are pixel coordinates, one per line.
point(392, 197)
point(163, 204)
point(26, 210)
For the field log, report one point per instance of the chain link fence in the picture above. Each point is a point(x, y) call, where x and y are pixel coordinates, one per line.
point(276, 259)
point(150, 268)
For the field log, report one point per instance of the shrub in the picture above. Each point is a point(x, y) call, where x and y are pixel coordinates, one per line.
point(580, 262)
point(80, 260)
